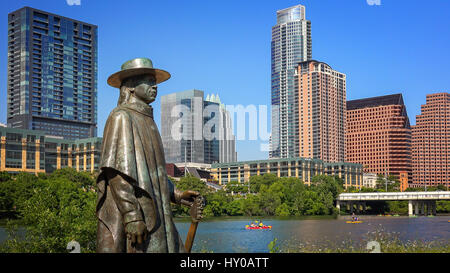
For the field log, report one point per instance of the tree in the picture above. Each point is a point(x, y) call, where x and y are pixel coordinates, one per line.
point(392, 183)
point(191, 182)
point(236, 187)
point(327, 184)
point(282, 210)
point(257, 181)
point(5, 176)
point(84, 179)
point(17, 190)
point(56, 211)
point(251, 205)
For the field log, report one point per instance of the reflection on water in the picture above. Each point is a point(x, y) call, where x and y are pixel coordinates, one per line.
point(229, 234)
point(4, 233)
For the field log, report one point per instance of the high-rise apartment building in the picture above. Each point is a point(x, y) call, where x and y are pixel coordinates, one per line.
point(290, 45)
point(378, 135)
point(431, 142)
point(321, 112)
point(52, 74)
point(196, 130)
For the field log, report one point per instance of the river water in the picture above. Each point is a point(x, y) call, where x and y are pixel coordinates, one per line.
point(228, 234)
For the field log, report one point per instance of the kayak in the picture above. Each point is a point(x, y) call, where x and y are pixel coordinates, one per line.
point(354, 222)
point(265, 227)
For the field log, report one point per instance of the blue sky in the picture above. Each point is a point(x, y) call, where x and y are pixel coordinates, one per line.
point(223, 47)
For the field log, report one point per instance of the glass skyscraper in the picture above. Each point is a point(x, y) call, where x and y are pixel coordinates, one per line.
point(196, 130)
point(291, 44)
point(52, 74)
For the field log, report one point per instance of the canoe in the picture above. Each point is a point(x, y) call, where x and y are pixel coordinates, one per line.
point(265, 227)
point(354, 222)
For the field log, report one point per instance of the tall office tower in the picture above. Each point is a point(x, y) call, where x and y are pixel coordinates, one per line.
point(291, 44)
point(322, 102)
point(378, 135)
point(52, 74)
point(227, 141)
point(196, 130)
point(431, 142)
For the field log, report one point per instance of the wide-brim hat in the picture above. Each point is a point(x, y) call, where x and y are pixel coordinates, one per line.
point(136, 67)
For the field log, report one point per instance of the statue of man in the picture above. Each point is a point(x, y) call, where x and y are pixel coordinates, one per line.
point(134, 192)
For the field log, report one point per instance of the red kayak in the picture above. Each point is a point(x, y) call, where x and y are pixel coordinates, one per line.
point(264, 227)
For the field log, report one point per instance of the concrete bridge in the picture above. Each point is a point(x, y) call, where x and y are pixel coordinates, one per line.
point(419, 203)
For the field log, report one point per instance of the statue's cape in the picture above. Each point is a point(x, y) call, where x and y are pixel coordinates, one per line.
point(132, 146)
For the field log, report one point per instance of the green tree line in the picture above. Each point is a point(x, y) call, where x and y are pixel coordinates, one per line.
point(267, 195)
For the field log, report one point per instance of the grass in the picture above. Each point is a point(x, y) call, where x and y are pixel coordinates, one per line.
point(389, 242)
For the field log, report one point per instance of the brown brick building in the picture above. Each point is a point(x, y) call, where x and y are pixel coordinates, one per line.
point(321, 112)
point(378, 135)
point(431, 142)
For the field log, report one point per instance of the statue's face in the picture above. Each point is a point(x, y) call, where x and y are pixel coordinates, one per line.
point(146, 89)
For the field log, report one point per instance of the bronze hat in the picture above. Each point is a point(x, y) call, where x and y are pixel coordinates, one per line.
point(135, 67)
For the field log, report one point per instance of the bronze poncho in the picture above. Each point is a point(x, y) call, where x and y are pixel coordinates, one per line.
point(132, 146)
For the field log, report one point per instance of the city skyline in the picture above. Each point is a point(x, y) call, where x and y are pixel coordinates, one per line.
point(385, 46)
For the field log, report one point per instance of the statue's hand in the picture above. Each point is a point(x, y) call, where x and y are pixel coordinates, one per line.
point(187, 197)
point(196, 210)
point(136, 232)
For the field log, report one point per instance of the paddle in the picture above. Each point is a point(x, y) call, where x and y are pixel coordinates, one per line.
point(196, 215)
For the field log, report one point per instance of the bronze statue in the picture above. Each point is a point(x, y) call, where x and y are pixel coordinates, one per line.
point(134, 193)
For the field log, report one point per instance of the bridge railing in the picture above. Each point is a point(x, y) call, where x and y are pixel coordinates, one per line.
point(392, 196)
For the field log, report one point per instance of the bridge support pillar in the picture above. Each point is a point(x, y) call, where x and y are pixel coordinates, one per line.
point(351, 207)
point(422, 208)
point(431, 207)
point(338, 206)
point(364, 207)
point(358, 207)
point(410, 208)
point(416, 207)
